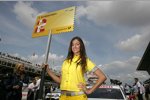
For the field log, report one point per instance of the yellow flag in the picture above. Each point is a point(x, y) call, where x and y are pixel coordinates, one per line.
point(57, 21)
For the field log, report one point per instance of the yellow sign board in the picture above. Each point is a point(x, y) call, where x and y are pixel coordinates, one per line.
point(57, 21)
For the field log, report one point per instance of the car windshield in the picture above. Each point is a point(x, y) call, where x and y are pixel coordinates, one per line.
point(108, 93)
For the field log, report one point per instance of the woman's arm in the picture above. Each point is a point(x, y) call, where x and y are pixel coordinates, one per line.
point(52, 75)
point(101, 78)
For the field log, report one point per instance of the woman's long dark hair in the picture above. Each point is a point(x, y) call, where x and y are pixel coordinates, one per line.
point(83, 56)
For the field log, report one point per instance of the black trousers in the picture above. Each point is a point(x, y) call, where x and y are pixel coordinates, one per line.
point(140, 97)
point(37, 95)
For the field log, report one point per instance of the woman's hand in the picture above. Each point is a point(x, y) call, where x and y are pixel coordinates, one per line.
point(44, 66)
point(82, 86)
point(51, 73)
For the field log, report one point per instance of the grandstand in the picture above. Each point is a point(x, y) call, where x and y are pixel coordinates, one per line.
point(8, 62)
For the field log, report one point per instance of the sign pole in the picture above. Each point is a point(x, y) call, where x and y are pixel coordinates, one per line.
point(40, 96)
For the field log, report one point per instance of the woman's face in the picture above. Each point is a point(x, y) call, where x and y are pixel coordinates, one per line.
point(76, 47)
point(22, 68)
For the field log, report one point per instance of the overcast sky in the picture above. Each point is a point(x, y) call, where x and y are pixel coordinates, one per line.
point(115, 34)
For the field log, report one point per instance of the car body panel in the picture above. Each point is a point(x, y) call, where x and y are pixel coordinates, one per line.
point(107, 92)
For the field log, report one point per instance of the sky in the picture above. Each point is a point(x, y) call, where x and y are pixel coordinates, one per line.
point(115, 33)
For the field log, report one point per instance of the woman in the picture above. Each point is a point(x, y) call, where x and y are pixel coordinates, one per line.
point(15, 83)
point(72, 82)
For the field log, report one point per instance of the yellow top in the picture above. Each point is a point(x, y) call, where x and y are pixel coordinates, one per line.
point(72, 74)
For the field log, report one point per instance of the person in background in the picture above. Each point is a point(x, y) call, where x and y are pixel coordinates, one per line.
point(127, 90)
point(139, 88)
point(15, 83)
point(135, 91)
point(74, 67)
point(3, 76)
point(38, 80)
point(31, 90)
point(147, 91)
point(2, 87)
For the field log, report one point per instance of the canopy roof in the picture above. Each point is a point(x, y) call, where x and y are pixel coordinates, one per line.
point(144, 64)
